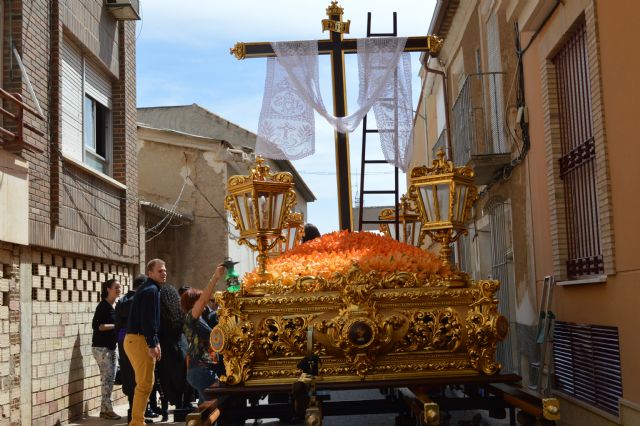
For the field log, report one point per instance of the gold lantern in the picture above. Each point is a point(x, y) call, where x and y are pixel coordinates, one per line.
point(409, 222)
point(444, 195)
point(259, 204)
point(293, 230)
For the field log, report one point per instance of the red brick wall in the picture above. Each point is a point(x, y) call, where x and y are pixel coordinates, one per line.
point(83, 223)
point(82, 229)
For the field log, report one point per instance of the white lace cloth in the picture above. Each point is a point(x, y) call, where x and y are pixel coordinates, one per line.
point(286, 128)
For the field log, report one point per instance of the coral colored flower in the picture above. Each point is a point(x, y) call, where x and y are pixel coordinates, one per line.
point(336, 252)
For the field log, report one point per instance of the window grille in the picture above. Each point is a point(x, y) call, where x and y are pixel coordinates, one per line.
point(502, 270)
point(577, 163)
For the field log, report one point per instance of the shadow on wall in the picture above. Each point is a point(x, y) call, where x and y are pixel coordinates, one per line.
point(77, 406)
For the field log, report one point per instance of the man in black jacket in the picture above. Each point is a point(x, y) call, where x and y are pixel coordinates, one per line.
point(123, 307)
point(141, 342)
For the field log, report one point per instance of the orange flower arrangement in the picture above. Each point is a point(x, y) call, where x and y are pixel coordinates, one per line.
point(336, 252)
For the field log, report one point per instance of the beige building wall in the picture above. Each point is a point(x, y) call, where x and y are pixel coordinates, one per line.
point(188, 174)
point(611, 299)
point(171, 166)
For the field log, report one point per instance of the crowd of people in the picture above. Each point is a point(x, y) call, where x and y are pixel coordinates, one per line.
point(161, 337)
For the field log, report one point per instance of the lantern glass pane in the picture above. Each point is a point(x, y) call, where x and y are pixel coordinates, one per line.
point(461, 201)
point(417, 227)
point(408, 232)
point(426, 197)
point(276, 218)
point(263, 210)
point(443, 202)
point(245, 206)
point(291, 237)
point(392, 230)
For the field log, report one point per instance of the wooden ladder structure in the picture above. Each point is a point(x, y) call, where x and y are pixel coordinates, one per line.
point(363, 159)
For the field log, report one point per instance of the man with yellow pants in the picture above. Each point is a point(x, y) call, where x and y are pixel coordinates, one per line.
point(141, 341)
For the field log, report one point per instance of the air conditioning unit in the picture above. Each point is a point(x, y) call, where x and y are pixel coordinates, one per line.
point(124, 10)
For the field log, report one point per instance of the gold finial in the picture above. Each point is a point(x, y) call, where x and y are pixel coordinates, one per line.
point(260, 170)
point(239, 50)
point(434, 44)
point(334, 9)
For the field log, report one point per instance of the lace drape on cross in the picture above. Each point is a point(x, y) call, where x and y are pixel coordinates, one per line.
point(286, 129)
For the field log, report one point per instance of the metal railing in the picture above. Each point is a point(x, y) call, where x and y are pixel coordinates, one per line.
point(578, 161)
point(13, 122)
point(441, 144)
point(479, 118)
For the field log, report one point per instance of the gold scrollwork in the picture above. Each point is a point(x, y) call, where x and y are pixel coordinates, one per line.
point(239, 50)
point(435, 330)
point(284, 336)
point(485, 328)
point(233, 337)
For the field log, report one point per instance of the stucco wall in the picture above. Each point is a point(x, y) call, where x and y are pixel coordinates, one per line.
point(613, 302)
point(168, 171)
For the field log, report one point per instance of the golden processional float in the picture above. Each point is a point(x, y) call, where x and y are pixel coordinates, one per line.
point(364, 324)
point(356, 310)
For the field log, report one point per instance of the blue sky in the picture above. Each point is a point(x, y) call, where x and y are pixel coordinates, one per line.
point(183, 58)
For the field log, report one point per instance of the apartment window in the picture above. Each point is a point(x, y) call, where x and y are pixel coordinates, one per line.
point(86, 110)
point(577, 162)
point(96, 134)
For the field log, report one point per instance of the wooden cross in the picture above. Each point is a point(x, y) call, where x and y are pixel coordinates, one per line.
point(337, 46)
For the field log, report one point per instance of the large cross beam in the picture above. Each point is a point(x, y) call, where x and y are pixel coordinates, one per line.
point(336, 46)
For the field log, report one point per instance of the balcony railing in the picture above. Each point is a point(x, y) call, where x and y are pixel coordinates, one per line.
point(441, 144)
point(13, 122)
point(479, 125)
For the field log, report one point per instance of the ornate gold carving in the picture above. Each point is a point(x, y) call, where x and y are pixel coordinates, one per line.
point(371, 329)
point(355, 277)
point(439, 329)
point(334, 9)
point(359, 331)
point(485, 328)
point(551, 409)
point(283, 336)
point(336, 26)
point(233, 338)
point(434, 44)
point(239, 50)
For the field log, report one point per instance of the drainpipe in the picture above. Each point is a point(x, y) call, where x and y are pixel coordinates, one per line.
point(446, 104)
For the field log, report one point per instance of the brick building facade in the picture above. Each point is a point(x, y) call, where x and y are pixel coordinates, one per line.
point(68, 199)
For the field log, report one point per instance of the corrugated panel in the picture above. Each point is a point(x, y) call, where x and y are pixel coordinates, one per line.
point(587, 364)
point(97, 84)
point(72, 96)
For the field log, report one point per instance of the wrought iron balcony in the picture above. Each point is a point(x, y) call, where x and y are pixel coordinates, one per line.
point(441, 144)
point(13, 122)
point(479, 130)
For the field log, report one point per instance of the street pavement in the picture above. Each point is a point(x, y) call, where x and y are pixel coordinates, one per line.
point(459, 418)
point(95, 420)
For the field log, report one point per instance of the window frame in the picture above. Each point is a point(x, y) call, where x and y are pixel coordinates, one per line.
point(93, 152)
point(87, 87)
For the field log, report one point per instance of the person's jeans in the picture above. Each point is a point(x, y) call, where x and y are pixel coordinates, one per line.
point(106, 359)
point(143, 365)
point(200, 378)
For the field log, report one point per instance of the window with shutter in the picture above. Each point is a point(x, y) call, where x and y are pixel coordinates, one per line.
point(86, 110)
